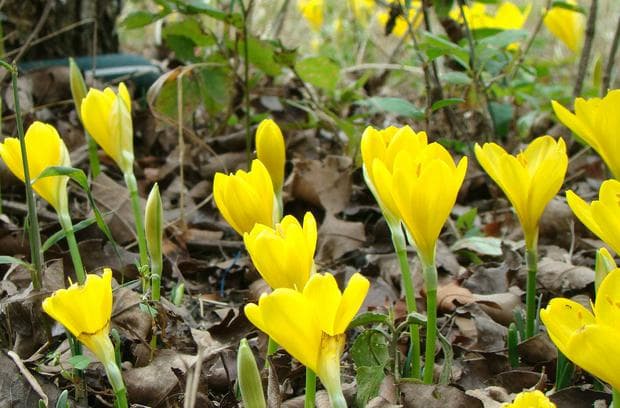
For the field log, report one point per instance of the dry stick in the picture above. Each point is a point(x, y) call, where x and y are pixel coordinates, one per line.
point(181, 140)
point(587, 48)
point(35, 32)
point(610, 61)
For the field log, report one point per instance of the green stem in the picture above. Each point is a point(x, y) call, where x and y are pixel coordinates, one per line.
point(400, 246)
point(156, 268)
point(33, 222)
point(530, 296)
point(430, 281)
point(116, 380)
point(132, 186)
point(67, 226)
point(615, 399)
point(310, 388)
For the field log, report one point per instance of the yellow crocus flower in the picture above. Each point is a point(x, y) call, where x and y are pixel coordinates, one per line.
point(85, 311)
point(107, 118)
point(590, 340)
point(530, 399)
point(567, 25)
point(270, 150)
point(44, 148)
point(310, 325)
point(312, 10)
point(530, 179)
point(284, 255)
point(601, 216)
point(424, 188)
point(245, 198)
point(596, 121)
point(379, 150)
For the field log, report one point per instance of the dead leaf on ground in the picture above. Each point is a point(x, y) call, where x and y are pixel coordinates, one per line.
point(325, 184)
point(578, 397)
point(488, 336)
point(560, 277)
point(16, 392)
point(337, 237)
point(537, 349)
point(435, 396)
point(451, 294)
point(499, 306)
point(152, 384)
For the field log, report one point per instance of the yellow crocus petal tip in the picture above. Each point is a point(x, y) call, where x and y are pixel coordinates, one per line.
point(271, 151)
point(530, 399)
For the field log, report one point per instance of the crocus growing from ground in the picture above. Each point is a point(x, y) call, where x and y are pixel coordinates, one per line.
point(85, 311)
point(401, 26)
point(530, 399)
point(312, 10)
point(271, 151)
point(107, 118)
point(44, 149)
point(311, 324)
point(589, 339)
point(424, 187)
point(284, 255)
point(379, 150)
point(566, 25)
point(530, 180)
point(596, 121)
point(245, 198)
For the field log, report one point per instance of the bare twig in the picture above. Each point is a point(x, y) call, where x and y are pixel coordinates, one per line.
point(28, 376)
point(587, 48)
point(35, 31)
point(611, 61)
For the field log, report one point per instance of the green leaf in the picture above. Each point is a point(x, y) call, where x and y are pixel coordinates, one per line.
point(369, 318)
point(501, 114)
point(319, 71)
point(397, 106)
point(164, 95)
point(436, 46)
point(139, 19)
point(490, 246)
point(370, 348)
point(465, 221)
point(261, 54)
point(215, 86)
point(568, 6)
point(446, 102)
point(61, 234)
point(79, 362)
point(502, 39)
point(443, 7)
point(5, 259)
point(202, 7)
point(456, 78)
point(184, 36)
point(63, 399)
point(368, 380)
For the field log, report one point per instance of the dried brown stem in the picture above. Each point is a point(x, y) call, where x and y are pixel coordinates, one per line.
point(587, 49)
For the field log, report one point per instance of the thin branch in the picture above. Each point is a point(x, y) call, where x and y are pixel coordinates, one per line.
point(610, 61)
point(587, 48)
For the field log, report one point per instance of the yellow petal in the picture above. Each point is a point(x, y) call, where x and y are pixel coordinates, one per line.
point(270, 151)
point(607, 306)
point(530, 399)
point(573, 122)
point(566, 25)
point(291, 321)
point(83, 309)
point(383, 189)
point(323, 294)
point(563, 318)
point(245, 199)
point(351, 301)
point(44, 148)
point(596, 349)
